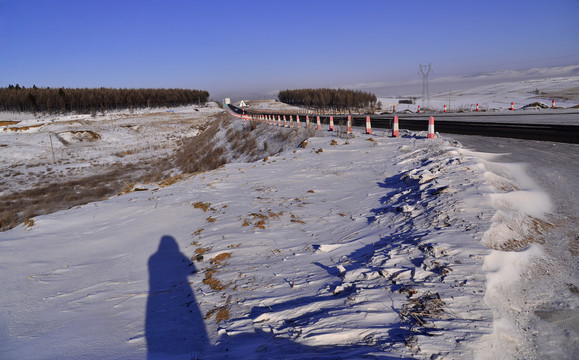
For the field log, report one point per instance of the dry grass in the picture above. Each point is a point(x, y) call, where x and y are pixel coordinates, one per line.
point(46, 198)
point(221, 313)
point(173, 179)
point(260, 220)
point(535, 229)
point(29, 223)
point(212, 282)
point(219, 259)
point(419, 310)
point(203, 206)
point(199, 153)
point(24, 128)
point(7, 123)
point(196, 154)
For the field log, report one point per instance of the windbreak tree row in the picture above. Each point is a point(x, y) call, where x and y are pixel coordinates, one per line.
point(86, 101)
point(328, 98)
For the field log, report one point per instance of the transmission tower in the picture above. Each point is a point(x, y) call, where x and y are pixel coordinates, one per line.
point(425, 71)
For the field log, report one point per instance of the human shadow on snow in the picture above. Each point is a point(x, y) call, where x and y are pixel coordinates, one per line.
point(175, 329)
point(173, 324)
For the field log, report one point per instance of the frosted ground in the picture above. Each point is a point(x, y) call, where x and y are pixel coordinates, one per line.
point(345, 247)
point(498, 96)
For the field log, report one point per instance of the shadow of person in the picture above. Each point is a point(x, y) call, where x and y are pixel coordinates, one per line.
point(174, 324)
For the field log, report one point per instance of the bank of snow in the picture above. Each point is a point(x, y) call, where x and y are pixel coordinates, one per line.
point(343, 248)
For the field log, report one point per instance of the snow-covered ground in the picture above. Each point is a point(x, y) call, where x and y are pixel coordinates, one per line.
point(496, 97)
point(345, 247)
point(39, 149)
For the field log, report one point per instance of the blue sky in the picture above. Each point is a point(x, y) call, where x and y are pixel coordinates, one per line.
point(252, 47)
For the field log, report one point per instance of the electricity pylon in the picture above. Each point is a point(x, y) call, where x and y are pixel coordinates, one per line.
point(425, 71)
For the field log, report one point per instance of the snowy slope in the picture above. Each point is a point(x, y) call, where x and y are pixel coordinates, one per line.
point(498, 96)
point(346, 248)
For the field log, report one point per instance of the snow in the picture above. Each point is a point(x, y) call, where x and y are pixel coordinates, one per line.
point(498, 96)
point(36, 149)
point(374, 247)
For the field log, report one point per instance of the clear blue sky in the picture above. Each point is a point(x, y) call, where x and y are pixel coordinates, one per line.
point(258, 46)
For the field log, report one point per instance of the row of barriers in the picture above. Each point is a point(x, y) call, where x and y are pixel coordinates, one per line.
point(282, 121)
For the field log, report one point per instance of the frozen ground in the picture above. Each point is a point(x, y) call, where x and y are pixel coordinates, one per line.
point(36, 150)
point(496, 97)
point(361, 247)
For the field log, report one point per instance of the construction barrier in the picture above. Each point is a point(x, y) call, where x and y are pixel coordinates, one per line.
point(349, 124)
point(368, 126)
point(395, 131)
point(431, 128)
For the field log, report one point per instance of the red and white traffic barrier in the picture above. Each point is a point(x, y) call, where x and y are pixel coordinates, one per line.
point(349, 125)
point(307, 121)
point(512, 106)
point(298, 121)
point(279, 121)
point(368, 125)
point(431, 127)
point(553, 103)
point(419, 109)
point(319, 122)
point(477, 107)
point(395, 131)
point(285, 122)
point(331, 123)
point(444, 108)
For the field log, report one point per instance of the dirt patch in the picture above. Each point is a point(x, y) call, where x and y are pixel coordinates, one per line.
point(72, 137)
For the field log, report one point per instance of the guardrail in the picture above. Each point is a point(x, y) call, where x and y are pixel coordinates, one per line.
point(414, 122)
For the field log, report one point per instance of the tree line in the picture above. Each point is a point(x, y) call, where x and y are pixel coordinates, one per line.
point(328, 98)
point(88, 101)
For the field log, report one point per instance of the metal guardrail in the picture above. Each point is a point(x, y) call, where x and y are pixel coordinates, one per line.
point(542, 132)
